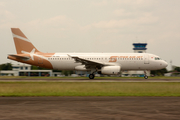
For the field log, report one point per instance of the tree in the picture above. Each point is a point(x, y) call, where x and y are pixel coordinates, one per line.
point(37, 68)
point(6, 66)
point(67, 72)
point(177, 69)
point(159, 72)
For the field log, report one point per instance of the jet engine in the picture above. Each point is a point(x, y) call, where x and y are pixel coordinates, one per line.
point(81, 68)
point(111, 70)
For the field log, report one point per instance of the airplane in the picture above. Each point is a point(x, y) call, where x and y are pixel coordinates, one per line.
point(103, 63)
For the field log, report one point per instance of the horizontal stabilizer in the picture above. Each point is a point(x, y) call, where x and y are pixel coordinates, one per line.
point(20, 57)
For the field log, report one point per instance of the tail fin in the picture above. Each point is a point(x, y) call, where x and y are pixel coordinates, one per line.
point(22, 43)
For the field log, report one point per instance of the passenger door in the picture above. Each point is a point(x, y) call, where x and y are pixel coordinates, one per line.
point(146, 58)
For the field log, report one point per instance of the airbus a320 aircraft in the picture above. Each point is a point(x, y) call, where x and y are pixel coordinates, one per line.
point(103, 63)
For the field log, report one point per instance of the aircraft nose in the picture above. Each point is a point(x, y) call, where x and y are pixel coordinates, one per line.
point(165, 64)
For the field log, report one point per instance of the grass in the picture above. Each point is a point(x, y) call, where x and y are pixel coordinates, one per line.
point(88, 89)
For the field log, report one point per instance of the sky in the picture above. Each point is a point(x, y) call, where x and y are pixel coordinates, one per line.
point(93, 26)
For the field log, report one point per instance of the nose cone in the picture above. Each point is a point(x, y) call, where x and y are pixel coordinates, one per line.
point(165, 64)
point(162, 64)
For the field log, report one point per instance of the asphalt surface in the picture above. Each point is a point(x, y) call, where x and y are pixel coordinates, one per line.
point(89, 108)
point(85, 80)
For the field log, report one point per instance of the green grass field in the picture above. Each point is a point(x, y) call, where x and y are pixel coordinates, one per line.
point(89, 89)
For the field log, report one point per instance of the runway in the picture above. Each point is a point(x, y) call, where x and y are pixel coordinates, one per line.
point(84, 80)
point(89, 108)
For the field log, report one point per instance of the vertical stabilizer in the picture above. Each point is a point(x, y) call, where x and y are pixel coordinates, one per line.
point(22, 43)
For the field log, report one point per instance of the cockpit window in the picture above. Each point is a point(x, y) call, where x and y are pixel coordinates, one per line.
point(157, 58)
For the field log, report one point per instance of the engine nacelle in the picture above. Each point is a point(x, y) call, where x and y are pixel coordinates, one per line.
point(81, 68)
point(111, 70)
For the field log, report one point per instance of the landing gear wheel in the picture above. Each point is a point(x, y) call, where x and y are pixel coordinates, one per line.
point(91, 76)
point(146, 77)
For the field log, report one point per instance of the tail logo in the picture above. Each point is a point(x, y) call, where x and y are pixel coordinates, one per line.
point(31, 53)
point(22, 38)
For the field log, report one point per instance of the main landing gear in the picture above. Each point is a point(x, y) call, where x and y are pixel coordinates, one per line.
point(145, 76)
point(91, 76)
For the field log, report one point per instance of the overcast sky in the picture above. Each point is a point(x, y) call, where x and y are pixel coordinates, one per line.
point(93, 26)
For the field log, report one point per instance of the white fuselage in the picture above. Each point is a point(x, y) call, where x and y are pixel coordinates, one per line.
point(127, 61)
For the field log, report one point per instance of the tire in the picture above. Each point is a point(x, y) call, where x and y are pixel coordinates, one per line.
point(146, 77)
point(91, 76)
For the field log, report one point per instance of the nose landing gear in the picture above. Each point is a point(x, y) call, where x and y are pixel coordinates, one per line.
point(145, 75)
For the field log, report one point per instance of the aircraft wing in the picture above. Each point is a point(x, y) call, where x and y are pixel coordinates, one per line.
point(86, 62)
point(20, 57)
